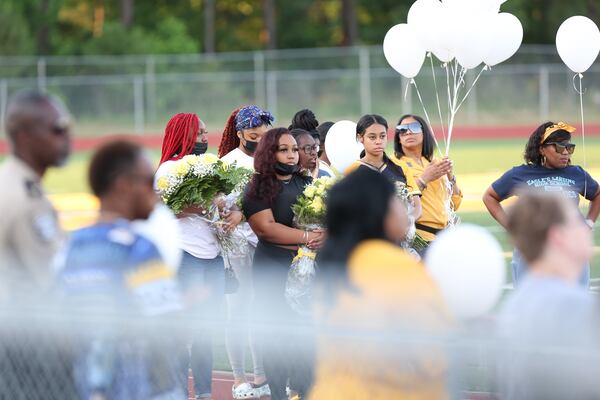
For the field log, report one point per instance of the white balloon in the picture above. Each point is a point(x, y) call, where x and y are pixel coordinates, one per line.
point(444, 32)
point(578, 43)
point(341, 145)
point(467, 264)
point(162, 229)
point(469, 46)
point(503, 36)
point(403, 50)
point(423, 17)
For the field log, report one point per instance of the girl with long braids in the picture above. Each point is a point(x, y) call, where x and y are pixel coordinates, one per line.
point(243, 131)
point(202, 269)
point(548, 168)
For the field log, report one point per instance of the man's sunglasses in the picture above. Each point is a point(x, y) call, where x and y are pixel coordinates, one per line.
point(560, 148)
point(405, 129)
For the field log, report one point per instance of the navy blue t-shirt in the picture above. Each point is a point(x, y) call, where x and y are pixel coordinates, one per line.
point(571, 181)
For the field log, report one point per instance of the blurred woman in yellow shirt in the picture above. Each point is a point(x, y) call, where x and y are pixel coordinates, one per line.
point(382, 316)
point(413, 151)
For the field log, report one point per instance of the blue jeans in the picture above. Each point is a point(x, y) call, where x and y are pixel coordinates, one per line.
point(206, 278)
point(519, 270)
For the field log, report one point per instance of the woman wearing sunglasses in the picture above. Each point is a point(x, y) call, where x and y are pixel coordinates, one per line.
point(413, 150)
point(371, 132)
point(548, 168)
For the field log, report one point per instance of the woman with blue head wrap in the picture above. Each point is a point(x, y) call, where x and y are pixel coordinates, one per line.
point(244, 129)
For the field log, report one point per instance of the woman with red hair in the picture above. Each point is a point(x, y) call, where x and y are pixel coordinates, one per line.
point(288, 354)
point(202, 269)
point(243, 131)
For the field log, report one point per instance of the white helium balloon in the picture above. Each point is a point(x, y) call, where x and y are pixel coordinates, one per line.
point(467, 264)
point(578, 43)
point(423, 18)
point(403, 50)
point(162, 229)
point(469, 46)
point(341, 145)
point(503, 37)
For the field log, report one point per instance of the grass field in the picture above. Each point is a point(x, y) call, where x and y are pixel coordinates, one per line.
point(477, 164)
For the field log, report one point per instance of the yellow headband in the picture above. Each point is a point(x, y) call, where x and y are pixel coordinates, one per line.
point(561, 126)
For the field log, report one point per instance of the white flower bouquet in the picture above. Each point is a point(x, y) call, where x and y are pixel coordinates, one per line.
point(309, 214)
point(413, 243)
point(198, 181)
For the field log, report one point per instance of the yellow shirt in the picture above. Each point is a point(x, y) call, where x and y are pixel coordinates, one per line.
point(411, 183)
point(369, 359)
point(433, 197)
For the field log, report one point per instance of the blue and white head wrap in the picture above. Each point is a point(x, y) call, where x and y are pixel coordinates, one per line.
point(251, 117)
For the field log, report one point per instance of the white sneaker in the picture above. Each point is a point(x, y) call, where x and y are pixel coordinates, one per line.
point(243, 391)
point(262, 390)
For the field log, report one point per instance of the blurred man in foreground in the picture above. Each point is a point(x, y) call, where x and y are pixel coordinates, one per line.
point(114, 284)
point(38, 131)
point(546, 326)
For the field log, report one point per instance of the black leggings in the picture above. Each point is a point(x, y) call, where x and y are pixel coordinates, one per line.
point(287, 339)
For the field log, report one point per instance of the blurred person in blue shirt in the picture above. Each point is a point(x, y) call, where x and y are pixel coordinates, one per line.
point(547, 325)
point(117, 289)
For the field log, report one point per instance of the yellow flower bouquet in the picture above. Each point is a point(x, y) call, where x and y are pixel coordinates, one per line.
point(309, 214)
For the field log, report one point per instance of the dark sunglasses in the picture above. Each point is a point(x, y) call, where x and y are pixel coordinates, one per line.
point(560, 148)
point(406, 129)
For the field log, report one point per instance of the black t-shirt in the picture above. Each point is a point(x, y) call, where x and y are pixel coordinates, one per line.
point(390, 170)
point(282, 207)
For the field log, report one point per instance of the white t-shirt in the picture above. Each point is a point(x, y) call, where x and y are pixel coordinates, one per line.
point(242, 160)
point(196, 236)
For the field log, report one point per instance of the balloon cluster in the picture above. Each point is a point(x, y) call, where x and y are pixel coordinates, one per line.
point(471, 31)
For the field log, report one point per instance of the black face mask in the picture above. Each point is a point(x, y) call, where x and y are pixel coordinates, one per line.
point(250, 146)
point(286, 169)
point(200, 148)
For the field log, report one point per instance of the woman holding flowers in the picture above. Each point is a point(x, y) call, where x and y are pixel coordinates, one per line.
point(202, 270)
point(371, 131)
point(413, 151)
point(244, 130)
point(268, 207)
point(548, 168)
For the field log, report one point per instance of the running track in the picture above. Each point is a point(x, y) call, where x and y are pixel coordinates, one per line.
point(154, 140)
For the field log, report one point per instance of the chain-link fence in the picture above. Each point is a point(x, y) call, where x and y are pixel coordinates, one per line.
point(138, 93)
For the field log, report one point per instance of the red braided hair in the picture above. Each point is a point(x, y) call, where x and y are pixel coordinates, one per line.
point(230, 140)
point(181, 134)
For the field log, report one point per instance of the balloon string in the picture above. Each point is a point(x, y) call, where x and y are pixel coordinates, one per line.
point(426, 114)
point(406, 90)
point(455, 75)
point(437, 97)
point(448, 88)
point(485, 68)
point(580, 91)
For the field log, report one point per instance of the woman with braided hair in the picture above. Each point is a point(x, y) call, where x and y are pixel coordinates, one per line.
point(202, 270)
point(244, 129)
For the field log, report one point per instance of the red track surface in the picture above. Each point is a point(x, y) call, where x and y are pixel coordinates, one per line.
point(154, 140)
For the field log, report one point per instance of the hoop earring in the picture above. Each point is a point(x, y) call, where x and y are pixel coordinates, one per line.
point(544, 161)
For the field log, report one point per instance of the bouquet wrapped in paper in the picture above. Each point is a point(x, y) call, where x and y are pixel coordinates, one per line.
point(309, 214)
point(413, 243)
point(206, 182)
